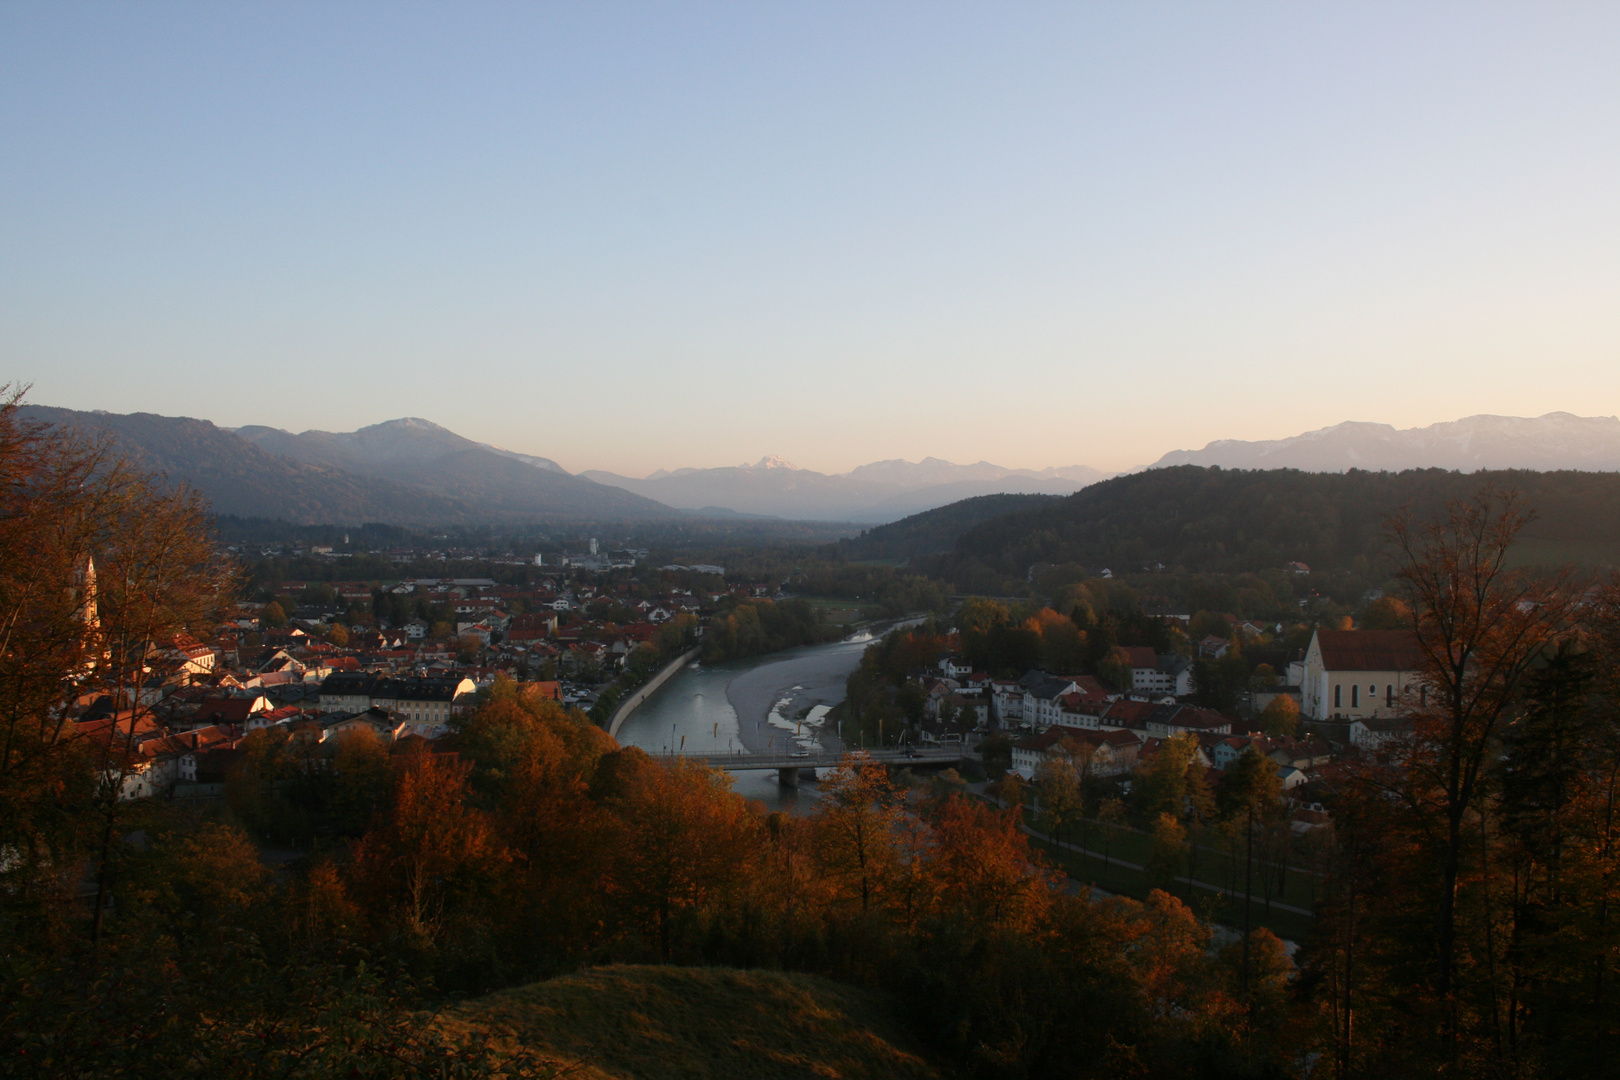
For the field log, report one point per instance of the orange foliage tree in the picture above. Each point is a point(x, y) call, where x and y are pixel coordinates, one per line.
point(983, 870)
point(683, 843)
point(432, 858)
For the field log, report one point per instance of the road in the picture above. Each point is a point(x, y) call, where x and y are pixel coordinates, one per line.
point(740, 761)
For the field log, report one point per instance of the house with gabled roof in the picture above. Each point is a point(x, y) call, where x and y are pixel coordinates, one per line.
point(1360, 674)
point(1129, 715)
point(380, 722)
point(1167, 720)
point(1100, 753)
point(1006, 701)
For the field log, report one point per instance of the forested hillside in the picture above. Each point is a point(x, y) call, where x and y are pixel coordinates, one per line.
point(933, 532)
point(1218, 520)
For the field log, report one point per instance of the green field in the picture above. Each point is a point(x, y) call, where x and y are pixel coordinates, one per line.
point(843, 610)
point(649, 1023)
point(1213, 867)
point(1601, 553)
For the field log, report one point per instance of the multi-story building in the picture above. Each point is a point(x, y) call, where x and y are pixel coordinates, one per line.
point(1360, 675)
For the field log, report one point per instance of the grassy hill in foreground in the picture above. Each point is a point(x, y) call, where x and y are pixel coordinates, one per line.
point(641, 1023)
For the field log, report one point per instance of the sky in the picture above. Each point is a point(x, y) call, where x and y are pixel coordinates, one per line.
point(638, 236)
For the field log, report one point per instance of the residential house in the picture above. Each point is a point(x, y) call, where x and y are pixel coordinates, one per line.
point(1155, 674)
point(1006, 701)
point(240, 711)
point(1042, 699)
point(195, 660)
point(425, 699)
point(380, 722)
point(1359, 674)
point(480, 630)
point(1291, 776)
point(1128, 716)
point(1110, 753)
point(347, 691)
point(1168, 720)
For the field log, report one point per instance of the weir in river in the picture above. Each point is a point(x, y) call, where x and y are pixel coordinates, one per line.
point(762, 704)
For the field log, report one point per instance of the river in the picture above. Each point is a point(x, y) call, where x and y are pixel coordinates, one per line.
point(743, 706)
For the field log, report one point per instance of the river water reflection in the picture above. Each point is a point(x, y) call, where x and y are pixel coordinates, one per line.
point(760, 704)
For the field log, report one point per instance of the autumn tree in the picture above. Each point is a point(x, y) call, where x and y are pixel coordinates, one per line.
point(1249, 795)
point(974, 621)
point(686, 841)
point(1479, 624)
point(1058, 783)
point(1280, 716)
point(1115, 670)
point(982, 870)
point(1386, 613)
point(429, 865)
point(101, 565)
point(855, 822)
point(1110, 815)
point(1161, 787)
point(194, 880)
point(1167, 850)
point(538, 771)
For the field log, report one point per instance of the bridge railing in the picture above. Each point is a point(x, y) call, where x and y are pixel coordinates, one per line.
point(741, 761)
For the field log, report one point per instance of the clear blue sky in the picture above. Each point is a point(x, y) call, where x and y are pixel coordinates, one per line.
point(633, 236)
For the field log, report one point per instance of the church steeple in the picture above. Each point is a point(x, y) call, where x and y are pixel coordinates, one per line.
point(82, 594)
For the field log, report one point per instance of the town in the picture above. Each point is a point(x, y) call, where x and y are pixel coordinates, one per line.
point(404, 659)
point(809, 542)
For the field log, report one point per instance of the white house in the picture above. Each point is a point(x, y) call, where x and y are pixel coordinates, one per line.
point(428, 700)
point(1100, 753)
point(1007, 700)
point(1359, 674)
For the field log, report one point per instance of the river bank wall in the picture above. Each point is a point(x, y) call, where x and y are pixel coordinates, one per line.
point(646, 690)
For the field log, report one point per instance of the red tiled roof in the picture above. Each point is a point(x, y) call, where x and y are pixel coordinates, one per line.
point(1129, 713)
point(1368, 650)
point(234, 711)
point(1141, 656)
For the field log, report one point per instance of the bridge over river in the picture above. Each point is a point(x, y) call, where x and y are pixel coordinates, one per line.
point(787, 765)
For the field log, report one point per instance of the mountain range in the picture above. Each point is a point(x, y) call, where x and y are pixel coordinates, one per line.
point(879, 492)
point(414, 472)
point(1558, 440)
point(404, 472)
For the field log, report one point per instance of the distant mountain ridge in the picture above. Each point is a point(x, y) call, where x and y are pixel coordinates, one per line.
point(241, 479)
point(405, 472)
point(879, 492)
point(1215, 520)
point(411, 471)
point(1557, 440)
point(416, 451)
